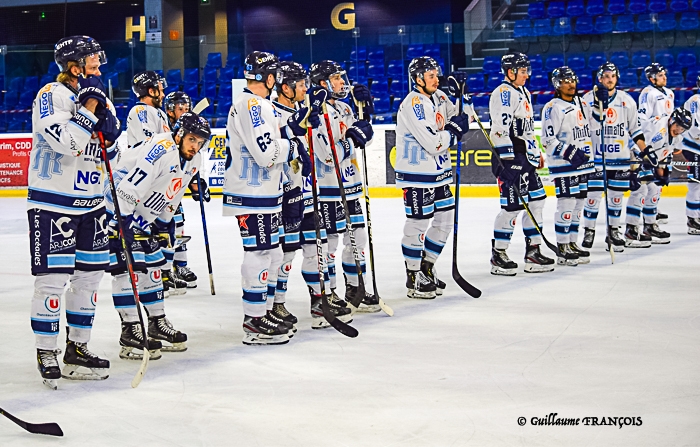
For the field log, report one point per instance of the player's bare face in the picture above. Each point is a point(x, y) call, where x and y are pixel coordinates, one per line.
point(158, 96)
point(431, 82)
point(660, 79)
point(337, 83)
point(191, 144)
point(92, 65)
point(568, 89)
point(180, 109)
point(300, 91)
point(521, 77)
point(609, 80)
point(676, 130)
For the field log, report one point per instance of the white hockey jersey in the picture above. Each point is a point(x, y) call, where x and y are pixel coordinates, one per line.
point(691, 137)
point(565, 123)
point(513, 123)
point(621, 127)
point(65, 164)
point(143, 122)
point(255, 153)
point(290, 176)
point(653, 102)
point(658, 138)
point(151, 179)
point(422, 143)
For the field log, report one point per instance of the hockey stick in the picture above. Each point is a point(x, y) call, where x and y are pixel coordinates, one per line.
point(608, 231)
point(338, 325)
point(365, 187)
point(206, 236)
point(201, 105)
point(359, 296)
point(49, 428)
point(517, 190)
point(129, 265)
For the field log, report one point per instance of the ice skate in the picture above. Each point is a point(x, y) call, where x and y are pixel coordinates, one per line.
point(656, 235)
point(81, 364)
point(419, 286)
point(500, 262)
point(175, 285)
point(48, 367)
point(661, 218)
point(281, 312)
point(567, 256)
point(275, 319)
point(131, 342)
point(183, 273)
point(428, 269)
point(633, 238)
point(172, 340)
point(588, 237)
point(369, 304)
point(261, 331)
point(584, 257)
point(535, 261)
point(318, 321)
point(693, 225)
point(616, 241)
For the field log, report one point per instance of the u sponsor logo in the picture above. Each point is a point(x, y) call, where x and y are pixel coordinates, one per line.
point(53, 304)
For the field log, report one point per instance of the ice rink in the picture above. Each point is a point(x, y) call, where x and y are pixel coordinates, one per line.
point(597, 340)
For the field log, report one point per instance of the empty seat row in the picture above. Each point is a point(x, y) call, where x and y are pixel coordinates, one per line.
point(576, 8)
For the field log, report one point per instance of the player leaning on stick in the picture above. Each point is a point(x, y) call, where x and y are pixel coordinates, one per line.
point(513, 135)
point(566, 138)
point(427, 125)
point(66, 209)
point(691, 152)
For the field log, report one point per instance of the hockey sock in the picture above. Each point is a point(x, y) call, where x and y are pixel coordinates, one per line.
point(634, 206)
point(46, 309)
point(692, 200)
point(81, 299)
point(309, 268)
point(254, 273)
point(412, 241)
point(590, 210)
point(651, 202)
point(503, 228)
point(282, 277)
point(276, 259)
point(123, 298)
point(168, 253)
point(576, 219)
point(333, 240)
point(437, 234)
point(615, 204)
point(529, 229)
point(151, 292)
point(563, 218)
point(349, 267)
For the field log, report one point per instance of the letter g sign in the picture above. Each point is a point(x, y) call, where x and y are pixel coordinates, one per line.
point(342, 20)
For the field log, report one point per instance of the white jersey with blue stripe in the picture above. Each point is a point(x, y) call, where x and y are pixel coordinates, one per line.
point(654, 102)
point(290, 176)
point(621, 126)
point(691, 138)
point(565, 123)
point(65, 163)
point(143, 122)
point(255, 154)
point(658, 137)
point(513, 123)
point(422, 143)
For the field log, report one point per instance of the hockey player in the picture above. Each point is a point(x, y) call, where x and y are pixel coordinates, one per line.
point(256, 149)
point(663, 133)
point(691, 152)
point(349, 134)
point(622, 130)
point(427, 126)
point(655, 100)
point(513, 135)
point(66, 210)
point(149, 184)
point(566, 137)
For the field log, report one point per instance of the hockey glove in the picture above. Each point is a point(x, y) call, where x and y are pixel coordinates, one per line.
point(650, 156)
point(317, 96)
point(635, 184)
point(292, 206)
point(509, 174)
point(361, 94)
point(574, 156)
point(165, 232)
point(458, 125)
point(91, 87)
point(360, 133)
point(199, 186)
point(298, 155)
point(601, 97)
point(662, 176)
point(108, 124)
point(303, 118)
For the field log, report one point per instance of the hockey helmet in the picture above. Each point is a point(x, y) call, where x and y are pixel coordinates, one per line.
point(174, 98)
point(145, 81)
point(76, 48)
point(290, 73)
point(190, 122)
point(422, 64)
point(323, 71)
point(515, 61)
point(654, 69)
point(563, 74)
point(607, 66)
point(682, 117)
point(258, 65)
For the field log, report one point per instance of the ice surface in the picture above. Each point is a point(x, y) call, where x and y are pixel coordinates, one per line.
point(594, 340)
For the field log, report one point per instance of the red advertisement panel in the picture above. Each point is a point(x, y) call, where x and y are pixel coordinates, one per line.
point(14, 160)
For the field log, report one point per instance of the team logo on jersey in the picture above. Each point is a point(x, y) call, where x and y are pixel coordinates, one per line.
point(58, 225)
point(669, 105)
point(158, 150)
point(93, 299)
point(579, 118)
point(658, 137)
point(610, 116)
point(53, 304)
point(46, 104)
point(643, 98)
point(142, 114)
point(591, 202)
point(693, 107)
point(174, 187)
point(439, 121)
point(155, 276)
point(255, 110)
point(101, 235)
point(547, 113)
point(505, 96)
point(343, 128)
point(242, 224)
point(418, 108)
point(566, 216)
point(262, 277)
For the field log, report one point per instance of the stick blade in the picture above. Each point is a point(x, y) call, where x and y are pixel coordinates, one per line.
point(385, 308)
point(464, 284)
point(142, 369)
point(49, 429)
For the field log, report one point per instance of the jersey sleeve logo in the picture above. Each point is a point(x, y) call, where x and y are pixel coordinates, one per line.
point(255, 111)
point(505, 96)
point(158, 150)
point(418, 108)
point(142, 114)
point(547, 113)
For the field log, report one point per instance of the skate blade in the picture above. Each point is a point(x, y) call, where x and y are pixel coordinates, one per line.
point(177, 292)
point(637, 244)
point(661, 221)
point(129, 353)
point(499, 271)
point(584, 260)
point(255, 339)
point(660, 241)
point(439, 291)
point(79, 372)
point(693, 231)
point(319, 323)
point(51, 383)
point(616, 248)
point(537, 268)
point(192, 285)
point(567, 262)
point(174, 347)
point(369, 309)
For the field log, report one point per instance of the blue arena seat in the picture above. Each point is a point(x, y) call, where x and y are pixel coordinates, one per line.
point(543, 27)
point(432, 50)
point(359, 54)
point(686, 58)
point(31, 83)
point(53, 69)
point(624, 24)
point(492, 64)
point(555, 9)
point(595, 7)
point(657, 6)
point(641, 59)
point(209, 90)
point(585, 82)
point(376, 56)
point(493, 82)
point(595, 60)
point(603, 24)
point(616, 7)
point(481, 101)
point(621, 59)
point(16, 83)
point(695, 4)
point(233, 59)
point(576, 61)
point(379, 86)
point(357, 71)
point(644, 23)
point(191, 76)
point(210, 75)
point(561, 26)
point(583, 25)
point(544, 98)
point(214, 60)
point(535, 10)
point(47, 78)
point(398, 88)
point(678, 5)
point(285, 55)
point(522, 28)
point(414, 51)
point(637, 7)
point(225, 90)
point(575, 8)
point(395, 69)
point(227, 74)
point(554, 61)
point(539, 82)
point(475, 82)
point(675, 78)
point(629, 78)
point(26, 99)
point(689, 22)
point(375, 71)
point(11, 99)
point(536, 63)
point(173, 77)
point(691, 77)
point(666, 22)
point(191, 90)
point(382, 103)
point(665, 58)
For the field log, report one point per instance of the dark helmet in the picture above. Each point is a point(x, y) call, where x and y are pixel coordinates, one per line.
point(515, 61)
point(607, 66)
point(174, 98)
point(190, 122)
point(76, 48)
point(322, 71)
point(682, 117)
point(563, 74)
point(146, 80)
point(259, 64)
point(420, 65)
point(697, 81)
point(290, 73)
point(652, 70)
